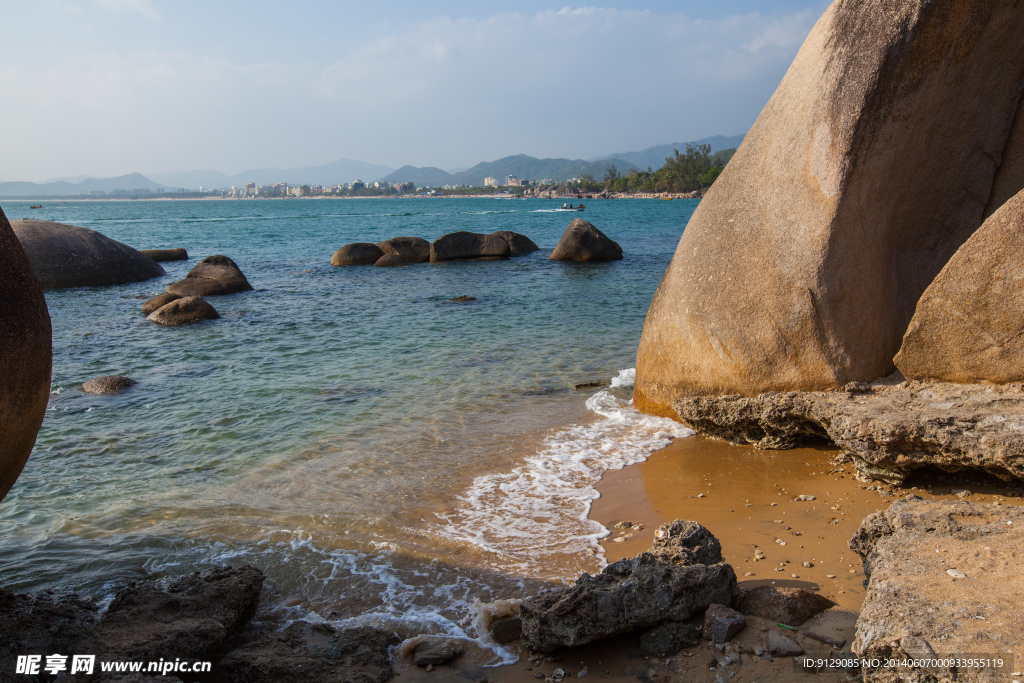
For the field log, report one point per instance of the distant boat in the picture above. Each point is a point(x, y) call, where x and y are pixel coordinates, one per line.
point(667, 199)
point(37, 206)
point(575, 208)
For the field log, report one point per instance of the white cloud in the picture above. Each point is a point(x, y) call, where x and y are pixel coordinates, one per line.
point(143, 7)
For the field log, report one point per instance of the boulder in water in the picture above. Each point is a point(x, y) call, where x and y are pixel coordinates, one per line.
point(188, 309)
point(468, 245)
point(166, 254)
point(411, 249)
point(581, 241)
point(518, 245)
point(25, 356)
point(107, 384)
point(65, 256)
point(390, 260)
point(214, 275)
point(357, 254)
point(158, 301)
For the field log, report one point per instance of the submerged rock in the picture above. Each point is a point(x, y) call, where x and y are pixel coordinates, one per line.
point(581, 241)
point(26, 352)
point(802, 266)
point(889, 430)
point(184, 310)
point(357, 254)
point(789, 606)
point(65, 256)
point(166, 254)
point(107, 384)
point(913, 608)
point(435, 651)
point(410, 249)
point(158, 301)
point(214, 275)
point(306, 652)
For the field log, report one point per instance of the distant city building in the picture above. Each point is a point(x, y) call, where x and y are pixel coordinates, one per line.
point(250, 189)
point(490, 182)
point(512, 181)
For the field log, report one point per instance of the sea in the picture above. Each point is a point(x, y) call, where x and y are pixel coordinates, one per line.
point(386, 456)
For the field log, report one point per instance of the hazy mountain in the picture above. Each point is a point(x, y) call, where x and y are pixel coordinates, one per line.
point(335, 173)
point(520, 165)
point(655, 156)
point(132, 181)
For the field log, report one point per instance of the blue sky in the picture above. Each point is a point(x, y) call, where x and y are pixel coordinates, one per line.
point(105, 87)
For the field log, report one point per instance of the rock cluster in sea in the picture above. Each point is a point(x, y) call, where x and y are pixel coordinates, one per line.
point(454, 246)
point(183, 301)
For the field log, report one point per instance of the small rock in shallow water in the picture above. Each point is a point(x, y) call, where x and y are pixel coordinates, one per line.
point(107, 384)
point(807, 564)
point(463, 299)
point(435, 651)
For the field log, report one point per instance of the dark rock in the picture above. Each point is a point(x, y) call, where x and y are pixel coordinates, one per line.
point(166, 254)
point(685, 543)
point(411, 249)
point(627, 595)
point(390, 260)
point(468, 245)
point(491, 258)
point(304, 652)
point(192, 618)
point(721, 623)
point(789, 606)
point(833, 627)
point(26, 351)
point(69, 256)
point(107, 384)
point(943, 577)
point(581, 241)
point(185, 310)
point(781, 645)
point(888, 431)
point(669, 638)
point(435, 652)
point(463, 299)
point(357, 254)
point(213, 276)
point(41, 625)
point(158, 301)
point(507, 629)
point(591, 385)
point(518, 245)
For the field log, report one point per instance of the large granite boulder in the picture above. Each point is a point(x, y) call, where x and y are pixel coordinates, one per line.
point(357, 254)
point(945, 579)
point(69, 256)
point(26, 352)
point(158, 301)
point(468, 245)
point(176, 254)
point(868, 168)
point(581, 241)
point(518, 245)
point(411, 249)
point(184, 310)
point(212, 276)
point(968, 325)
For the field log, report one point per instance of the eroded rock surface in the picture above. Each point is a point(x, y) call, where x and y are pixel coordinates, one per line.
point(214, 275)
point(158, 301)
point(684, 543)
point(945, 578)
point(581, 241)
point(889, 430)
point(41, 625)
point(107, 384)
point(790, 606)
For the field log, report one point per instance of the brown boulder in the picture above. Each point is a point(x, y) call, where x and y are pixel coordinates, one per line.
point(790, 606)
point(435, 651)
point(357, 254)
point(69, 256)
point(802, 266)
point(166, 254)
point(107, 384)
point(518, 245)
point(581, 241)
point(158, 301)
point(214, 275)
point(185, 310)
point(25, 356)
point(390, 260)
point(411, 249)
point(968, 325)
point(468, 245)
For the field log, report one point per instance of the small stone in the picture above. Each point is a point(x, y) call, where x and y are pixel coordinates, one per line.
point(583, 673)
point(749, 574)
point(806, 498)
point(780, 541)
point(700, 495)
point(781, 645)
point(620, 539)
point(623, 525)
point(807, 564)
point(956, 573)
point(830, 576)
point(107, 384)
point(430, 667)
point(538, 675)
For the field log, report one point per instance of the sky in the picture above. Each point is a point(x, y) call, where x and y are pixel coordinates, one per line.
point(108, 87)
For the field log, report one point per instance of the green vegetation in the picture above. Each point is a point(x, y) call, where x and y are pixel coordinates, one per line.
point(696, 169)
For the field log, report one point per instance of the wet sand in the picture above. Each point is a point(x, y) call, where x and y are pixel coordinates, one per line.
point(750, 500)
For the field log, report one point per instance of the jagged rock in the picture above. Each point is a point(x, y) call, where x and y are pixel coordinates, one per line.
point(888, 430)
point(107, 384)
point(192, 618)
point(435, 651)
point(411, 249)
point(669, 638)
point(967, 326)
point(801, 268)
point(626, 596)
point(158, 301)
point(65, 256)
point(781, 645)
point(26, 352)
point(914, 608)
point(213, 276)
point(468, 245)
point(518, 245)
point(184, 310)
point(721, 623)
point(789, 606)
point(390, 260)
point(166, 254)
point(507, 629)
point(581, 241)
point(306, 652)
point(41, 625)
point(357, 254)
point(685, 543)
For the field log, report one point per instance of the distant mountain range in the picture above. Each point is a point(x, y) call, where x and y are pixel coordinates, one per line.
point(347, 170)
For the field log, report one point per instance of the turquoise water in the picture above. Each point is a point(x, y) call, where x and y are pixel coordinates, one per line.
point(380, 452)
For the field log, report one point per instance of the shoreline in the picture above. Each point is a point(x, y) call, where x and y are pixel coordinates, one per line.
point(64, 200)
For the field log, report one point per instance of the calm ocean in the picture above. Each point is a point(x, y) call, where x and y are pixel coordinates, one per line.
point(384, 455)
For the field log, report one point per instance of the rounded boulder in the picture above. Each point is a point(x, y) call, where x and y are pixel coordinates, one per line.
point(107, 384)
point(357, 254)
point(26, 353)
point(390, 260)
point(582, 242)
point(166, 254)
point(467, 245)
point(213, 276)
point(411, 249)
point(158, 301)
point(65, 256)
point(182, 311)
